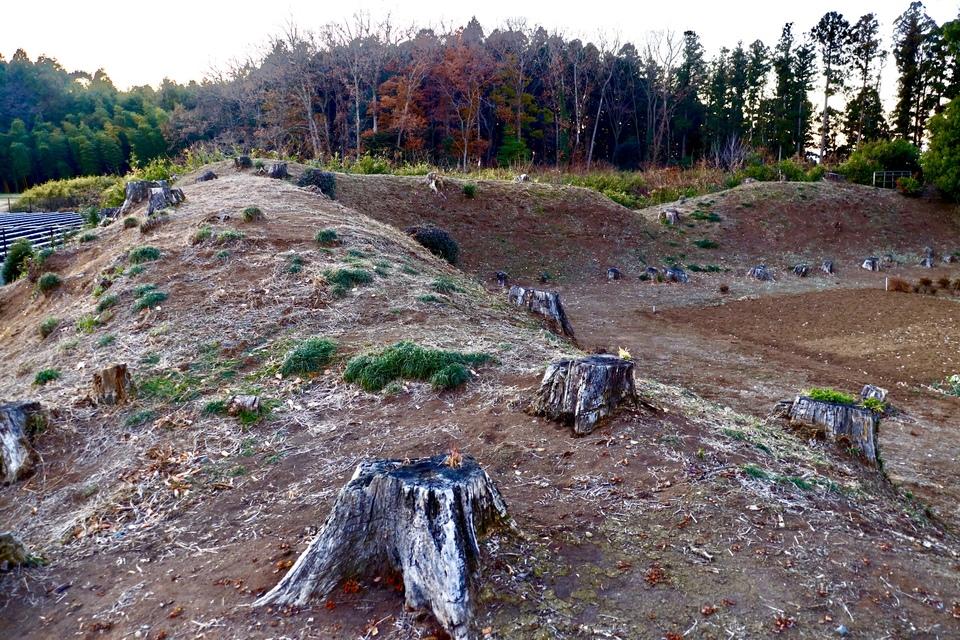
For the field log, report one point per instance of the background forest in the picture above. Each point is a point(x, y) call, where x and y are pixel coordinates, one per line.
point(516, 96)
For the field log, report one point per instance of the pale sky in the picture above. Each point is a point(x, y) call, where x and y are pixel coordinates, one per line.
point(141, 43)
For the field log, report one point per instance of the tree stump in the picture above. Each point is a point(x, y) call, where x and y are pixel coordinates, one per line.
point(843, 423)
point(675, 274)
point(242, 162)
point(421, 518)
point(163, 196)
point(871, 264)
point(927, 262)
point(502, 279)
point(207, 176)
point(544, 303)
point(16, 453)
point(827, 267)
point(669, 216)
point(948, 258)
point(113, 385)
point(278, 171)
point(435, 181)
point(614, 274)
point(135, 192)
point(582, 392)
point(872, 391)
point(651, 272)
point(12, 551)
point(801, 270)
point(520, 179)
point(243, 403)
point(761, 272)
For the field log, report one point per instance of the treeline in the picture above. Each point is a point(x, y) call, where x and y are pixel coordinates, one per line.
point(466, 98)
point(55, 124)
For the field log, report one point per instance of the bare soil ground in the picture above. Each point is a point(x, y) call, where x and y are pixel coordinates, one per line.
point(700, 519)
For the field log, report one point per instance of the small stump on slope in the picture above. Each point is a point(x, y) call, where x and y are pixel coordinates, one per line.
point(675, 274)
point(614, 274)
point(163, 196)
point(421, 518)
point(761, 272)
point(502, 279)
point(113, 385)
point(13, 553)
point(206, 176)
point(669, 216)
point(873, 391)
point(278, 171)
point(801, 270)
point(582, 392)
point(827, 267)
point(871, 264)
point(16, 454)
point(242, 162)
point(544, 303)
point(842, 423)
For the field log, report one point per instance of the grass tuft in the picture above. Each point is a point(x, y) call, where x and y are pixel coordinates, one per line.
point(408, 361)
point(48, 282)
point(46, 375)
point(830, 395)
point(48, 326)
point(310, 356)
point(144, 253)
point(326, 237)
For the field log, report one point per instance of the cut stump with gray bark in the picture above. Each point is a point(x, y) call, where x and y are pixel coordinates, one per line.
point(761, 272)
point(544, 303)
point(827, 267)
point(157, 192)
point(871, 264)
point(669, 216)
point(842, 423)
point(16, 453)
point(581, 392)
point(502, 279)
point(614, 274)
point(113, 385)
point(163, 196)
point(873, 391)
point(207, 176)
point(421, 518)
point(675, 274)
point(278, 171)
point(801, 270)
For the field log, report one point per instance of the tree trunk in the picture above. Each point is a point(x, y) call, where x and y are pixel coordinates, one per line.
point(113, 385)
point(544, 303)
point(420, 518)
point(801, 270)
point(871, 264)
point(827, 267)
point(278, 171)
point(163, 196)
point(16, 454)
point(845, 423)
point(761, 272)
point(581, 392)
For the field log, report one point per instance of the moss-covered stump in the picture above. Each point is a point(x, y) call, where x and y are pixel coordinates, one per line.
point(543, 303)
point(420, 518)
point(16, 454)
point(113, 385)
point(582, 392)
point(847, 424)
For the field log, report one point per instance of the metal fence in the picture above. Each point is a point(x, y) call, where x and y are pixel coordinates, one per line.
point(888, 179)
point(41, 229)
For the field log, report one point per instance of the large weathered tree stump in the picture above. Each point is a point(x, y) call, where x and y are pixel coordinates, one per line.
point(242, 162)
point(871, 263)
point(544, 303)
point(113, 385)
point(13, 553)
point(675, 274)
point(421, 518)
point(278, 171)
point(669, 216)
point(843, 423)
point(761, 272)
point(157, 192)
point(582, 392)
point(16, 453)
point(163, 196)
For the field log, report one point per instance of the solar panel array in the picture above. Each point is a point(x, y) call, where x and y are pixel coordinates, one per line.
point(41, 229)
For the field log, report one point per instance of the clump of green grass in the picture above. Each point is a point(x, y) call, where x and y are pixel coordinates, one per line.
point(223, 254)
point(130, 222)
point(169, 387)
point(470, 190)
point(142, 289)
point(706, 243)
point(230, 235)
point(252, 214)
point(344, 279)
point(706, 268)
point(326, 237)
point(106, 340)
point(830, 395)
point(408, 361)
point(148, 296)
point(106, 302)
point(88, 237)
point(874, 404)
point(428, 298)
point(87, 324)
point(445, 284)
point(136, 270)
point(295, 264)
point(143, 253)
point(201, 235)
point(215, 407)
point(150, 359)
point(310, 356)
point(48, 282)
point(139, 418)
point(18, 258)
point(46, 375)
point(48, 326)
point(705, 216)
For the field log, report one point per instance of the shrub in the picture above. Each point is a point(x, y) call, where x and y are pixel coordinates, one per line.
point(874, 404)
point(309, 356)
point(87, 323)
point(48, 282)
point(830, 395)
point(408, 361)
point(941, 162)
point(72, 194)
point(87, 237)
point(910, 187)
point(106, 303)
point(144, 253)
point(326, 237)
point(294, 264)
point(944, 283)
point(135, 270)
point(323, 180)
point(230, 235)
point(880, 155)
point(46, 375)
point(370, 165)
point(202, 234)
point(252, 214)
point(91, 216)
point(48, 326)
point(106, 340)
point(706, 244)
point(470, 190)
point(445, 284)
point(344, 279)
point(437, 241)
point(898, 284)
point(15, 264)
point(149, 300)
point(130, 222)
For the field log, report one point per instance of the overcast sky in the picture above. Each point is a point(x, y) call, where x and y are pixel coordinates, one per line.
point(141, 43)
